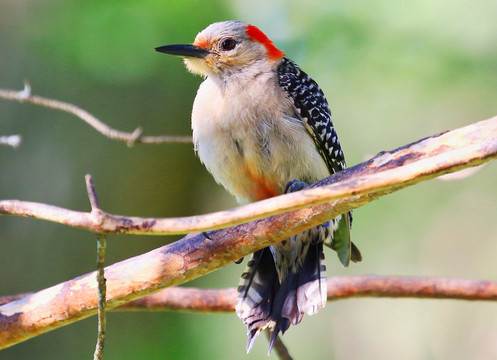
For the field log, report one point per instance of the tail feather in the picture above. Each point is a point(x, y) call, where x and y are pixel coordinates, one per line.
point(312, 293)
point(265, 301)
point(282, 326)
point(340, 240)
point(256, 290)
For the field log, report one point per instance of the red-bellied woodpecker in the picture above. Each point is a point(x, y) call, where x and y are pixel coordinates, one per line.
point(259, 123)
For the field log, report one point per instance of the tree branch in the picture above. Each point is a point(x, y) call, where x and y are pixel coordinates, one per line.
point(196, 255)
point(99, 348)
point(208, 301)
point(387, 172)
point(278, 346)
point(102, 289)
point(195, 300)
point(135, 137)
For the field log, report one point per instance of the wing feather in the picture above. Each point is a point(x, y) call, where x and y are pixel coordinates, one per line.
point(311, 105)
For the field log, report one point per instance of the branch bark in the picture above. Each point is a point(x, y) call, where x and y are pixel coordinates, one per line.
point(202, 301)
point(195, 300)
point(387, 172)
point(196, 255)
point(102, 289)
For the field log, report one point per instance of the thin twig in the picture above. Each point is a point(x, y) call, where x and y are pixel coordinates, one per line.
point(99, 348)
point(92, 193)
point(135, 137)
point(279, 347)
point(102, 289)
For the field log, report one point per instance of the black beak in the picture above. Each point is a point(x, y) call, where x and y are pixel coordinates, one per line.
point(183, 50)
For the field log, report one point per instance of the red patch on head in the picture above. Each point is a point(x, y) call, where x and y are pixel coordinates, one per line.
point(255, 34)
point(202, 43)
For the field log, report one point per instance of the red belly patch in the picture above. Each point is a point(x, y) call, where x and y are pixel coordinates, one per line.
point(262, 187)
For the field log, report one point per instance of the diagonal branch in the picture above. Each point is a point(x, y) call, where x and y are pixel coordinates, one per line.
point(387, 172)
point(135, 137)
point(195, 255)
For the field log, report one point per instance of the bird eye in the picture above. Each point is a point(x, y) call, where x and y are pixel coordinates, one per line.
point(228, 44)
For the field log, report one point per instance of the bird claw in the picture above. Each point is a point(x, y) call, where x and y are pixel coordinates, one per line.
point(294, 185)
point(297, 185)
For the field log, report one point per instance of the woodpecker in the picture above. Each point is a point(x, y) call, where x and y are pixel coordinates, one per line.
point(262, 127)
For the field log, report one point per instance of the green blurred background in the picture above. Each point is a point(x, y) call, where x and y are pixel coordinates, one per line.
point(393, 72)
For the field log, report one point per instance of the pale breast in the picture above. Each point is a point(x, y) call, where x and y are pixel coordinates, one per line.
point(251, 141)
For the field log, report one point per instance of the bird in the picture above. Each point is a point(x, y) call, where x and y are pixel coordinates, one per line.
point(262, 127)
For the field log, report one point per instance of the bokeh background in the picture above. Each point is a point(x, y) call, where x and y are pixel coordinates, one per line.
point(393, 72)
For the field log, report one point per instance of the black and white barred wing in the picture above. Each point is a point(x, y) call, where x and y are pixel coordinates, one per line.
point(311, 105)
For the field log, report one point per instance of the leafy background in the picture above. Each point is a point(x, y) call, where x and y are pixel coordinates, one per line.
point(393, 72)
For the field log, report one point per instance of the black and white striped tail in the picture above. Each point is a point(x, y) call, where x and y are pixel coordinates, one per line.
point(276, 296)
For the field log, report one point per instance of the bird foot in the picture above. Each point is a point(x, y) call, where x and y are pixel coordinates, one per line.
point(294, 185)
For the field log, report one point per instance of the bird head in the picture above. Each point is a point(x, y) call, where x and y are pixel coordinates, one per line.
point(225, 47)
